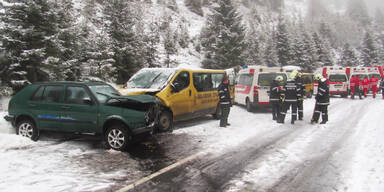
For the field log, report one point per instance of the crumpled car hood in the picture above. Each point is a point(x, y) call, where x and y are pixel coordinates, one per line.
point(139, 98)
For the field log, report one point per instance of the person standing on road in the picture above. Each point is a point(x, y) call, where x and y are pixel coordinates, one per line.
point(322, 101)
point(365, 84)
point(274, 96)
point(224, 101)
point(352, 86)
point(289, 93)
point(300, 94)
point(356, 83)
point(373, 82)
point(382, 87)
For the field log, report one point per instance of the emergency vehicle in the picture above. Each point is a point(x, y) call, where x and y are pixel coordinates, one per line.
point(253, 84)
point(337, 80)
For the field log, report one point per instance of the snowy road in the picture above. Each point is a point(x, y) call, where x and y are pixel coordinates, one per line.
point(253, 154)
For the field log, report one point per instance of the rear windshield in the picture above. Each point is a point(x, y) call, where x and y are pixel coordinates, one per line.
point(361, 76)
point(337, 78)
point(245, 79)
point(308, 79)
point(265, 79)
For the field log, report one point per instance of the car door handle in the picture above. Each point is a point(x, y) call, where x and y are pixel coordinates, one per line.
point(65, 107)
point(32, 105)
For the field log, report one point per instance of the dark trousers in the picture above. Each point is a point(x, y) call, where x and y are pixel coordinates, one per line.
point(285, 107)
point(320, 109)
point(382, 93)
point(300, 108)
point(225, 108)
point(357, 90)
point(276, 108)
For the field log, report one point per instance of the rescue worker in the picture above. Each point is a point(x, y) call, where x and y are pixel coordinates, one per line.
point(322, 100)
point(300, 94)
point(365, 84)
point(373, 82)
point(356, 81)
point(352, 86)
point(225, 101)
point(289, 94)
point(382, 87)
point(274, 96)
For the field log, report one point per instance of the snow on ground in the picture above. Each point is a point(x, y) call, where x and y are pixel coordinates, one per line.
point(350, 144)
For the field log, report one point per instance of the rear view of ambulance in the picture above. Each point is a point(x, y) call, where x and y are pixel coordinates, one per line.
point(337, 80)
point(253, 84)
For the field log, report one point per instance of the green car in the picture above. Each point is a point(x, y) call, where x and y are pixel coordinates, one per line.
point(82, 107)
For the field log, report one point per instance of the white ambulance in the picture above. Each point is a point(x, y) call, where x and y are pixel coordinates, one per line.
point(337, 79)
point(253, 84)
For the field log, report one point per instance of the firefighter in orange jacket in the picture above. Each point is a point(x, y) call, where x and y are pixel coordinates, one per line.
point(373, 81)
point(365, 83)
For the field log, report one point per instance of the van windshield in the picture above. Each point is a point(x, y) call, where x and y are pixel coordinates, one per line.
point(265, 79)
point(154, 78)
point(337, 78)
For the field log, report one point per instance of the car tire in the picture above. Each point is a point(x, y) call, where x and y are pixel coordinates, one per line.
point(248, 105)
point(165, 121)
point(27, 128)
point(118, 137)
point(217, 114)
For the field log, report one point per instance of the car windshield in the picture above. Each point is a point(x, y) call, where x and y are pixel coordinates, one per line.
point(337, 78)
point(154, 78)
point(102, 92)
point(265, 79)
point(376, 75)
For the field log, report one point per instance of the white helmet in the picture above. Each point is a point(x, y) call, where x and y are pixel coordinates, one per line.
point(279, 78)
point(318, 77)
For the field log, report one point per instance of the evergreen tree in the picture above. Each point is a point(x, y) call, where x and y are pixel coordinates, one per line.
point(379, 20)
point(253, 52)
point(283, 43)
point(270, 54)
point(222, 37)
point(36, 37)
point(322, 51)
point(369, 52)
point(348, 57)
point(126, 45)
point(195, 6)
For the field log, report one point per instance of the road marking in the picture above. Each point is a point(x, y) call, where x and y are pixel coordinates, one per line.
point(147, 178)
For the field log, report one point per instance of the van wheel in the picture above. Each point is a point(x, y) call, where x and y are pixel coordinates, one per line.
point(117, 137)
point(248, 105)
point(217, 114)
point(28, 129)
point(165, 121)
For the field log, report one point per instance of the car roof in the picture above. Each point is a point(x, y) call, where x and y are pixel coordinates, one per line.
point(88, 83)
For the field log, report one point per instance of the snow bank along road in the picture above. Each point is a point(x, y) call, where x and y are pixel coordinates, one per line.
point(253, 154)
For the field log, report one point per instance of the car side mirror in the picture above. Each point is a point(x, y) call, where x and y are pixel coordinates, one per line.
point(88, 101)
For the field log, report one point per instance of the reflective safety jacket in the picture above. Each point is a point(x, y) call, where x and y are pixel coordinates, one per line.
point(300, 88)
point(224, 96)
point(322, 97)
point(373, 81)
point(274, 92)
point(289, 91)
point(365, 83)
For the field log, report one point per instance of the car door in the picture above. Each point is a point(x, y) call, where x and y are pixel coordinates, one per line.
point(45, 106)
point(181, 98)
point(80, 110)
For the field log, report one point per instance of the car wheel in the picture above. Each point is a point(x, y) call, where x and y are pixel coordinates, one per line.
point(248, 105)
point(28, 129)
point(165, 121)
point(117, 137)
point(217, 114)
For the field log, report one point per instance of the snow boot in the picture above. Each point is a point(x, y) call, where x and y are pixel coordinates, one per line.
point(313, 121)
point(323, 122)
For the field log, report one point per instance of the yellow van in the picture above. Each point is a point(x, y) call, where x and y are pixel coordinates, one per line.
point(308, 82)
point(184, 93)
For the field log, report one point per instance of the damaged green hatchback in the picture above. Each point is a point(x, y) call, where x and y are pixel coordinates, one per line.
point(82, 107)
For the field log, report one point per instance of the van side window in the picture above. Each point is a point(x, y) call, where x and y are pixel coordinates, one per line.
point(202, 81)
point(182, 81)
point(53, 94)
point(216, 80)
point(245, 79)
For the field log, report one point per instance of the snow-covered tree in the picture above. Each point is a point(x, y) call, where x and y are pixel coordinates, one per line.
point(195, 6)
point(222, 37)
point(369, 52)
point(283, 43)
point(358, 11)
point(348, 57)
point(322, 51)
point(126, 44)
